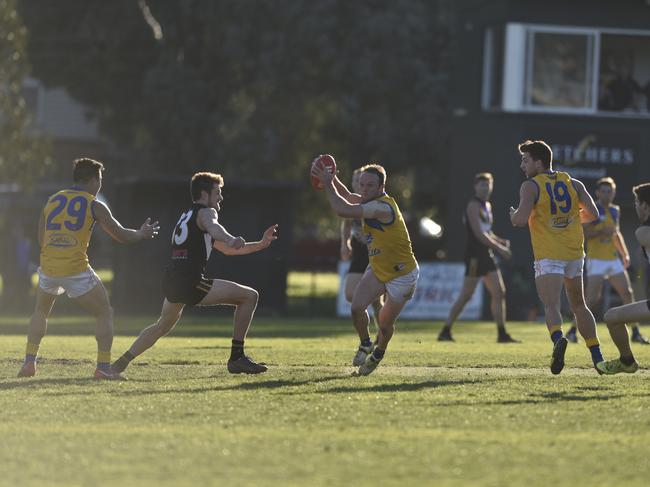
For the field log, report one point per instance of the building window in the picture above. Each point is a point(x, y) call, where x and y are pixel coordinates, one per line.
point(567, 70)
point(559, 70)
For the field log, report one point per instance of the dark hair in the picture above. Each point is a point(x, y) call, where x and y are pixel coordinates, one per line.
point(377, 170)
point(204, 181)
point(642, 192)
point(538, 150)
point(606, 181)
point(85, 169)
point(483, 176)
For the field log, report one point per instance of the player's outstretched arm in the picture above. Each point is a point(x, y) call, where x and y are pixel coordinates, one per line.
point(115, 229)
point(527, 194)
point(208, 220)
point(589, 209)
point(249, 247)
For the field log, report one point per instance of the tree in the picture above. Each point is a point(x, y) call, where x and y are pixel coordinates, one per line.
point(23, 154)
point(256, 88)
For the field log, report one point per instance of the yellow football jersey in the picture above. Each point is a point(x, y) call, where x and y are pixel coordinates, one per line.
point(555, 228)
point(602, 246)
point(389, 245)
point(68, 225)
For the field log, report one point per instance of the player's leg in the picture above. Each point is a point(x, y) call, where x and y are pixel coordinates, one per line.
point(549, 286)
point(169, 316)
point(367, 291)
point(376, 309)
point(96, 302)
point(244, 299)
point(621, 283)
point(593, 292)
point(494, 283)
point(36, 331)
point(352, 280)
point(399, 292)
point(584, 318)
point(616, 319)
point(466, 292)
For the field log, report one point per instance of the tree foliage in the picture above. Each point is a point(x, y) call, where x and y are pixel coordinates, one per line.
point(255, 88)
point(23, 154)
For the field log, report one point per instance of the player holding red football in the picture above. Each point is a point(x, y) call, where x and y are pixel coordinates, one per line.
point(393, 269)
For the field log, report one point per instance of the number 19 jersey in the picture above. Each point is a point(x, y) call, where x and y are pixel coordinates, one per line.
point(555, 228)
point(68, 226)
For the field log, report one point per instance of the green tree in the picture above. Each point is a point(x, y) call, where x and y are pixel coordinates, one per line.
point(257, 88)
point(23, 153)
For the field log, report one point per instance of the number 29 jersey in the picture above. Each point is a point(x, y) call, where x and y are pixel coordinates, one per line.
point(555, 228)
point(68, 226)
point(191, 246)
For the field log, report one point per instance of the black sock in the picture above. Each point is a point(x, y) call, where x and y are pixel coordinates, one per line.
point(366, 342)
point(122, 363)
point(627, 360)
point(237, 350)
point(502, 331)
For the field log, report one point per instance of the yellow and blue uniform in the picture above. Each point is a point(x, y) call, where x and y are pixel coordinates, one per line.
point(389, 245)
point(555, 228)
point(602, 246)
point(68, 225)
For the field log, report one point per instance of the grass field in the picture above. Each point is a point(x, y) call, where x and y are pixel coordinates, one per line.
point(439, 414)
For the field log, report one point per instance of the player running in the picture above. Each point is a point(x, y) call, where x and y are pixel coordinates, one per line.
point(64, 230)
point(640, 310)
point(553, 205)
point(197, 232)
point(393, 269)
point(354, 249)
point(479, 260)
point(607, 255)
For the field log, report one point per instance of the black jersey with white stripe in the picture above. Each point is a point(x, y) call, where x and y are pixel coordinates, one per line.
point(191, 246)
point(474, 246)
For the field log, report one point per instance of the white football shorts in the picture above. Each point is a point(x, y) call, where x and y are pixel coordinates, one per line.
point(606, 268)
point(568, 268)
point(402, 288)
point(73, 286)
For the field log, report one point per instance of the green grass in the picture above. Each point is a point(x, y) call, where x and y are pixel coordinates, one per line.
point(443, 414)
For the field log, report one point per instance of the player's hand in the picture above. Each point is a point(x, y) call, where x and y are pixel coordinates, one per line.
point(270, 235)
point(626, 261)
point(320, 172)
point(237, 243)
point(149, 230)
point(506, 253)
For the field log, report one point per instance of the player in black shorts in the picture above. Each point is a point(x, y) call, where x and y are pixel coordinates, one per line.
point(197, 232)
point(354, 249)
point(616, 318)
point(479, 260)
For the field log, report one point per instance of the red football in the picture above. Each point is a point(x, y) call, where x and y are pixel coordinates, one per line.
point(324, 160)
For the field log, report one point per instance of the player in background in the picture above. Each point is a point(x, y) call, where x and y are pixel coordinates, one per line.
point(554, 205)
point(197, 232)
point(64, 230)
point(354, 249)
point(479, 260)
point(607, 255)
point(393, 269)
point(616, 318)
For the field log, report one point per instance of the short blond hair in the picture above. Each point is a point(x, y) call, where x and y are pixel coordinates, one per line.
point(377, 170)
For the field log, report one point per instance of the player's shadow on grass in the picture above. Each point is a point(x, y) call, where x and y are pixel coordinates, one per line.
point(39, 383)
point(398, 387)
point(543, 398)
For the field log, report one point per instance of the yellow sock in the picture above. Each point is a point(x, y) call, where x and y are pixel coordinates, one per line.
point(103, 357)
